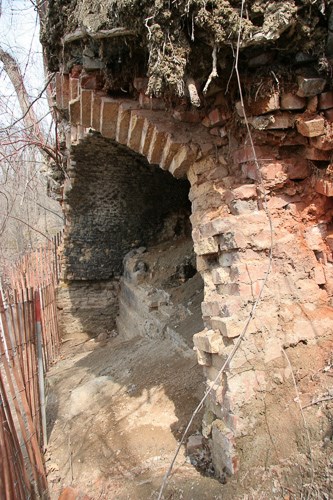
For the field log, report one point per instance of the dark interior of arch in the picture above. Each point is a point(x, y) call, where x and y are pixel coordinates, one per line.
point(117, 202)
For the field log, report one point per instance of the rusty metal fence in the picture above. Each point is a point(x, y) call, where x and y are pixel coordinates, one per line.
point(29, 345)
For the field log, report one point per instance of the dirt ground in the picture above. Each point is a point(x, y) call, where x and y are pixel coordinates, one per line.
point(115, 412)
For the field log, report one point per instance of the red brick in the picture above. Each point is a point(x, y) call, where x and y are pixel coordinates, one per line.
point(206, 122)
point(109, 115)
point(274, 170)
point(248, 273)
point(208, 340)
point(310, 126)
point(74, 111)
point(65, 91)
point(96, 110)
point(76, 71)
point(244, 192)
point(315, 154)
point(182, 160)
point(220, 99)
point(92, 81)
point(157, 144)
point(135, 130)
point(146, 136)
point(246, 154)
point(170, 149)
point(297, 168)
point(293, 138)
point(312, 104)
point(58, 87)
point(281, 121)
point(281, 201)
point(319, 275)
point(326, 100)
point(86, 100)
point(123, 120)
point(329, 241)
point(323, 142)
point(74, 88)
point(216, 117)
point(324, 186)
point(215, 131)
point(250, 171)
point(290, 101)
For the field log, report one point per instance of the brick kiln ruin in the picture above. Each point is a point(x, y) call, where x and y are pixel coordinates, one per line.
point(149, 105)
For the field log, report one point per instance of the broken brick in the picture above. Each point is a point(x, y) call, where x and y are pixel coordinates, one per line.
point(310, 126)
point(322, 142)
point(292, 102)
point(204, 358)
point(76, 71)
point(216, 117)
point(297, 168)
point(208, 340)
point(92, 81)
point(244, 192)
point(315, 154)
point(308, 87)
point(247, 153)
point(312, 104)
point(281, 121)
point(324, 186)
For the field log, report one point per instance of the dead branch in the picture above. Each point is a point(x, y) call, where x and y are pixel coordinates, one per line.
point(80, 33)
point(14, 74)
point(30, 106)
point(213, 73)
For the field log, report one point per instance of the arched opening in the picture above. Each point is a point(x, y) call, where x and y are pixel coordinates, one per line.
point(128, 244)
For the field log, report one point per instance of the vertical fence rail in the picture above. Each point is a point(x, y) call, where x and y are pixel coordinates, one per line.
point(29, 345)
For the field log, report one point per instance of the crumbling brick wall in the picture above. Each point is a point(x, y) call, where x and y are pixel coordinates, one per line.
point(246, 203)
point(262, 200)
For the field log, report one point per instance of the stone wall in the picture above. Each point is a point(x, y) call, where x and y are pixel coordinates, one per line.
point(115, 201)
point(87, 307)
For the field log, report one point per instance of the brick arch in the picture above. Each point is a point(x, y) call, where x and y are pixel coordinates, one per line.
point(184, 150)
point(232, 240)
point(153, 133)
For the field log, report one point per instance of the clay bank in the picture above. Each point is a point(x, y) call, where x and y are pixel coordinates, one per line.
point(205, 127)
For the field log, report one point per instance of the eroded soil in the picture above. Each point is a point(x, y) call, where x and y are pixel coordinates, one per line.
point(116, 410)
